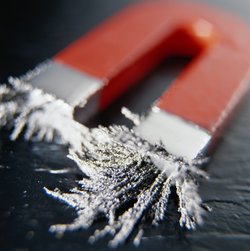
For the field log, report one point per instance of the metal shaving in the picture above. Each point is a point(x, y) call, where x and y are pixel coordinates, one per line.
point(40, 116)
point(128, 182)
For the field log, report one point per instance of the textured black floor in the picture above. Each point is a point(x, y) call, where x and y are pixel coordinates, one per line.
point(32, 31)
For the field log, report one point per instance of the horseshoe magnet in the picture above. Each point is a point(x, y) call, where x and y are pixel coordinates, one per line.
point(106, 62)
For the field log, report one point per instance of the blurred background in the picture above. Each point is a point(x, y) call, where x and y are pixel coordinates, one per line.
point(32, 31)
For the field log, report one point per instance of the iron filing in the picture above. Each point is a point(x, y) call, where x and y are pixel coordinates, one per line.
point(106, 62)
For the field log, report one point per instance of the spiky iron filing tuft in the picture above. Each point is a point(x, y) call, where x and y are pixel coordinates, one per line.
point(125, 171)
point(39, 115)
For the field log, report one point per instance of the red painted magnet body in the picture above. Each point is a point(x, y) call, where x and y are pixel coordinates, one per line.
point(122, 50)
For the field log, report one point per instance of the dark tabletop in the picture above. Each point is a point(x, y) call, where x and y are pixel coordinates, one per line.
point(32, 31)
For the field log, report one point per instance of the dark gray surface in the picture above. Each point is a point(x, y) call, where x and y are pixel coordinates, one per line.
point(32, 32)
